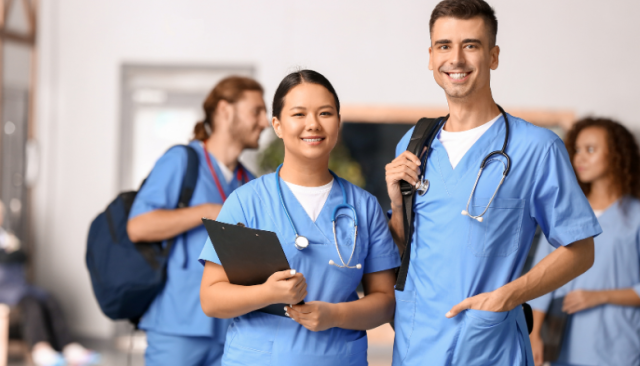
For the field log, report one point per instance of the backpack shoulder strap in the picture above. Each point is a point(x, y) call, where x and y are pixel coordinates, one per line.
point(190, 177)
point(189, 182)
point(423, 135)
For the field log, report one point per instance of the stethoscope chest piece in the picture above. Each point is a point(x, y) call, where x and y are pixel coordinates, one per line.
point(423, 186)
point(301, 242)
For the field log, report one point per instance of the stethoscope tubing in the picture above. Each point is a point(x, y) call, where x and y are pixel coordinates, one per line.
point(334, 216)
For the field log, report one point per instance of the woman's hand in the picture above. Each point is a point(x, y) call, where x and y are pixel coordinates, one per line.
point(537, 348)
point(580, 300)
point(286, 287)
point(315, 316)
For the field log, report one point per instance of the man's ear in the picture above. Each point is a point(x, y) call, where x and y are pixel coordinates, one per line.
point(430, 62)
point(495, 57)
point(225, 112)
point(275, 123)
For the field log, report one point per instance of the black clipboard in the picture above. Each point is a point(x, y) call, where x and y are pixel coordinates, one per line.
point(248, 256)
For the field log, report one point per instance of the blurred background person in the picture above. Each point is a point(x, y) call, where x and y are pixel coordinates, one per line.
point(43, 327)
point(604, 302)
point(178, 332)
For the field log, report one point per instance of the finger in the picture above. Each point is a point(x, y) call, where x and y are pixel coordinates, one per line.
point(406, 175)
point(401, 163)
point(303, 309)
point(407, 155)
point(464, 305)
point(283, 275)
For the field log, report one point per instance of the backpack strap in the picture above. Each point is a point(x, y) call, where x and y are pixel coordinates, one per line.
point(423, 134)
point(189, 182)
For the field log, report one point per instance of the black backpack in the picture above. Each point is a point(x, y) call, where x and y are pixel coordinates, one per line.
point(127, 276)
point(425, 131)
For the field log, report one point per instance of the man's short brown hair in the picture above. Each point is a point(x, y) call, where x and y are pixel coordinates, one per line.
point(467, 9)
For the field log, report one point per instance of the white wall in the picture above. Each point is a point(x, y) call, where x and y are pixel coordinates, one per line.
point(579, 55)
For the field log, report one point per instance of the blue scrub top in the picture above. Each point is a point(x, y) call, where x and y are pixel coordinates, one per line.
point(176, 310)
point(606, 334)
point(454, 257)
point(263, 339)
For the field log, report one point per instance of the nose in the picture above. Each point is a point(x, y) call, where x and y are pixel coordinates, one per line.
point(312, 122)
point(457, 57)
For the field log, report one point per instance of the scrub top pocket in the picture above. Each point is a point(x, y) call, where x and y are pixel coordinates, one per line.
point(485, 339)
point(405, 317)
point(498, 235)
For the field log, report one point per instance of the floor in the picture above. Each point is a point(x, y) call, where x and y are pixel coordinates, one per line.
point(115, 353)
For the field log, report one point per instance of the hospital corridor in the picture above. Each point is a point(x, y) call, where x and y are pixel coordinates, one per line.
point(216, 183)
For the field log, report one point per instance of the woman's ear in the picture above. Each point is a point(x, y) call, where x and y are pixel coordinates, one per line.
point(275, 123)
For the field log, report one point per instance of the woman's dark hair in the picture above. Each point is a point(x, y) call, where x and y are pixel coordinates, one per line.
point(229, 89)
point(624, 156)
point(467, 9)
point(296, 78)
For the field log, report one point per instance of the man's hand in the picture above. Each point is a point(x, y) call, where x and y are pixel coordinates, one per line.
point(579, 300)
point(405, 167)
point(493, 301)
point(315, 316)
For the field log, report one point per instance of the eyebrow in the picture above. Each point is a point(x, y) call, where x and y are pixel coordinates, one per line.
point(301, 107)
point(466, 40)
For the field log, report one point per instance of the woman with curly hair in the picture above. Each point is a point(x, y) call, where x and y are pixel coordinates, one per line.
point(604, 302)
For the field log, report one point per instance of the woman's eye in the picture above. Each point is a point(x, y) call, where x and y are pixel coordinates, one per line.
point(591, 149)
point(326, 114)
point(298, 115)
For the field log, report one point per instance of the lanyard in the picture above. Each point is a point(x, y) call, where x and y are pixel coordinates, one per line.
point(241, 175)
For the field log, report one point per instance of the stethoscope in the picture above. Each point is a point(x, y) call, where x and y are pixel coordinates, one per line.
point(423, 184)
point(302, 242)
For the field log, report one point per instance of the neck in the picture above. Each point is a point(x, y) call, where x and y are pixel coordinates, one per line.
point(225, 149)
point(601, 196)
point(470, 112)
point(304, 172)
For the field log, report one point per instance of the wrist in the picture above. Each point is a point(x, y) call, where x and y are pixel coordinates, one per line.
point(337, 315)
point(601, 297)
point(265, 296)
point(506, 298)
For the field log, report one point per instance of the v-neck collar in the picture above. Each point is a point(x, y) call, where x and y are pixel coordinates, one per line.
point(227, 186)
point(321, 229)
point(472, 159)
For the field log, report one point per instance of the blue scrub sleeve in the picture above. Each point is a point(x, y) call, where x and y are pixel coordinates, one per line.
point(161, 190)
point(383, 253)
point(231, 213)
point(544, 249)
point(557, 203)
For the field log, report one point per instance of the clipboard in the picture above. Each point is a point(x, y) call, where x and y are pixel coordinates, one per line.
point(249, 256)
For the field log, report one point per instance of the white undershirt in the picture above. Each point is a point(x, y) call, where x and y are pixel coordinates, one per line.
point(598, 213)
point(312, 199)
point(458, 143)
point(226, 172)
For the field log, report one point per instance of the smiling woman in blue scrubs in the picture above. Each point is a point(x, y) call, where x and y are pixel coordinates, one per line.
point(604, 302)
point(329, 329)
point(178, 332)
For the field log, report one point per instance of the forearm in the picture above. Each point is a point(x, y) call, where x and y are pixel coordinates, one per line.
point(224, 300)
point(555, 270)
point(396, 226)
point(538, 318)
point(366, 313)
point(160, 225)
point(622, 297)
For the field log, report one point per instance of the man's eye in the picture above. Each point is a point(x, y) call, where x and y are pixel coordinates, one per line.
point(444, 47)
point(591, 150)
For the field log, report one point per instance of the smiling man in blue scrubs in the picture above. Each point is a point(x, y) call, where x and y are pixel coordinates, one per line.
point(461, 304)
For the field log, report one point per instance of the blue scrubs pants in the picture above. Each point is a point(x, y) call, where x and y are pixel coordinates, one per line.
point(171, 350)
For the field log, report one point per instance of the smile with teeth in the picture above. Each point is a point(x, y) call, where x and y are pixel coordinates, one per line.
point(313, 140)
point(458, 75)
